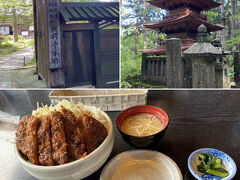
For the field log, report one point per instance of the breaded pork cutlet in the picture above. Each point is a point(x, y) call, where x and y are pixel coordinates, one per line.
point(44, 142)
point(59, 144)
point(74, 135)
point(94, 132)
point(26, 137)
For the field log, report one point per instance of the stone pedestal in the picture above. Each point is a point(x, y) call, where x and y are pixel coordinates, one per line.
point(203, 57)
point(203, 72)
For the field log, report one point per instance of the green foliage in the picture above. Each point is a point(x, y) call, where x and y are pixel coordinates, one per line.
point(8, 46)
point(234, 41)
point(214, 16)
point(24, 11)
point(131, 69)
point(231, 63)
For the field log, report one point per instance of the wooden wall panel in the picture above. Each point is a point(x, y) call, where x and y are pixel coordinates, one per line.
point(42, 40)
point(109, 57)
point(78, 58)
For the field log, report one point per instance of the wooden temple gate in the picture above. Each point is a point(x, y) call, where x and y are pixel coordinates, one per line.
point(71, 48)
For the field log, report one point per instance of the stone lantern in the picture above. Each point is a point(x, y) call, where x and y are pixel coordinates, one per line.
point(222, 66)
point(201, 59)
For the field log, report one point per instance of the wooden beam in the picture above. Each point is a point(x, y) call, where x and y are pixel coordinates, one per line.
point(98, 68)
point(56, 71)
point(77, 27)
point(108, 24)
point(54, 34)
point(88, 4)
point(35, 31)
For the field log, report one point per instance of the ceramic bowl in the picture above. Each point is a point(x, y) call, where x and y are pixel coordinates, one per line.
point(143, 141)
point(228, 163)
point(77, 169)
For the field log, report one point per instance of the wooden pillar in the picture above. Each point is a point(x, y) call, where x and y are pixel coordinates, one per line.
point(35, 31)
point(174, 63)
point(57, 78)
point(98, 67)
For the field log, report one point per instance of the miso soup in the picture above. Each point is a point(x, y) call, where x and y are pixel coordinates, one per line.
point(142, 124)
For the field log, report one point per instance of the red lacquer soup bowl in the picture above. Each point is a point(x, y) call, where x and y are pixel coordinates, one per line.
point(143, 141)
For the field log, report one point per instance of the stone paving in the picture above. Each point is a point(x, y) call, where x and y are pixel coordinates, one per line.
point(5, 79)
point(13, 73)
point(16, 59)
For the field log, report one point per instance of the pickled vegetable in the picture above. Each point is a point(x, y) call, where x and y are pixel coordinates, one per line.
point(211, 165)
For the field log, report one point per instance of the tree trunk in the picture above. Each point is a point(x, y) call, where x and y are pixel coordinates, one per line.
point(238, 20)
point(145, 30)
point(223, 23)
point(233, 8)
point(136, 33)
point(15, 33)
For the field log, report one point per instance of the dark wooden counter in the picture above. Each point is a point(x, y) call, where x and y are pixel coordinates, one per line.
point(197, 119)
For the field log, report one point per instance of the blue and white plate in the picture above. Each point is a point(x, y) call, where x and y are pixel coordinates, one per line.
point(228, 164)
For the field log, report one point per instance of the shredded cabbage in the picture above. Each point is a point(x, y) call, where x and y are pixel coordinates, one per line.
point(76, 108)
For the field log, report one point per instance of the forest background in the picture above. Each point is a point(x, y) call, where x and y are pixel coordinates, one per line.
point(134, 37)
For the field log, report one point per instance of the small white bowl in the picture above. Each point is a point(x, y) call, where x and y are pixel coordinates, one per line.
point(78, 169)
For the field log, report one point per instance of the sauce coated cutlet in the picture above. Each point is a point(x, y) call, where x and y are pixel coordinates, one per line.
point(26, 137)
point(74, 135)
point(59, 145)
point(94, 132)
point(44, 142)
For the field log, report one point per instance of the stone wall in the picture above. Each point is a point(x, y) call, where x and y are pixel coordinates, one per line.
point(154, 69)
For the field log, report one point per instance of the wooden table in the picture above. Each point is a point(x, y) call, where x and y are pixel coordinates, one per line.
point(197, 119)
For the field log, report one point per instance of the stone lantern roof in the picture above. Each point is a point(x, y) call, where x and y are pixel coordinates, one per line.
point(202, 47)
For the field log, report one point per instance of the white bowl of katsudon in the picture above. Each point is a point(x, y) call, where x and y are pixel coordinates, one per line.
point(65, 140)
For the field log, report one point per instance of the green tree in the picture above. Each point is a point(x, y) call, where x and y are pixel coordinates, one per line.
point(16, 11)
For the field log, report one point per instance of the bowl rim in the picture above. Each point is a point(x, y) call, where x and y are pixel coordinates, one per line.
point(142, 151)
point(204, 149)
point(141, 137)
point(70, 164)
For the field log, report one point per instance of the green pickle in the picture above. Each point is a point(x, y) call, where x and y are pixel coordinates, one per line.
point(218, 172)
point(211, 165)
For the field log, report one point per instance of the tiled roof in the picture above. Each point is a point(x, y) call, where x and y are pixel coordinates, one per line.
point(186, 20)
point(171, 4)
